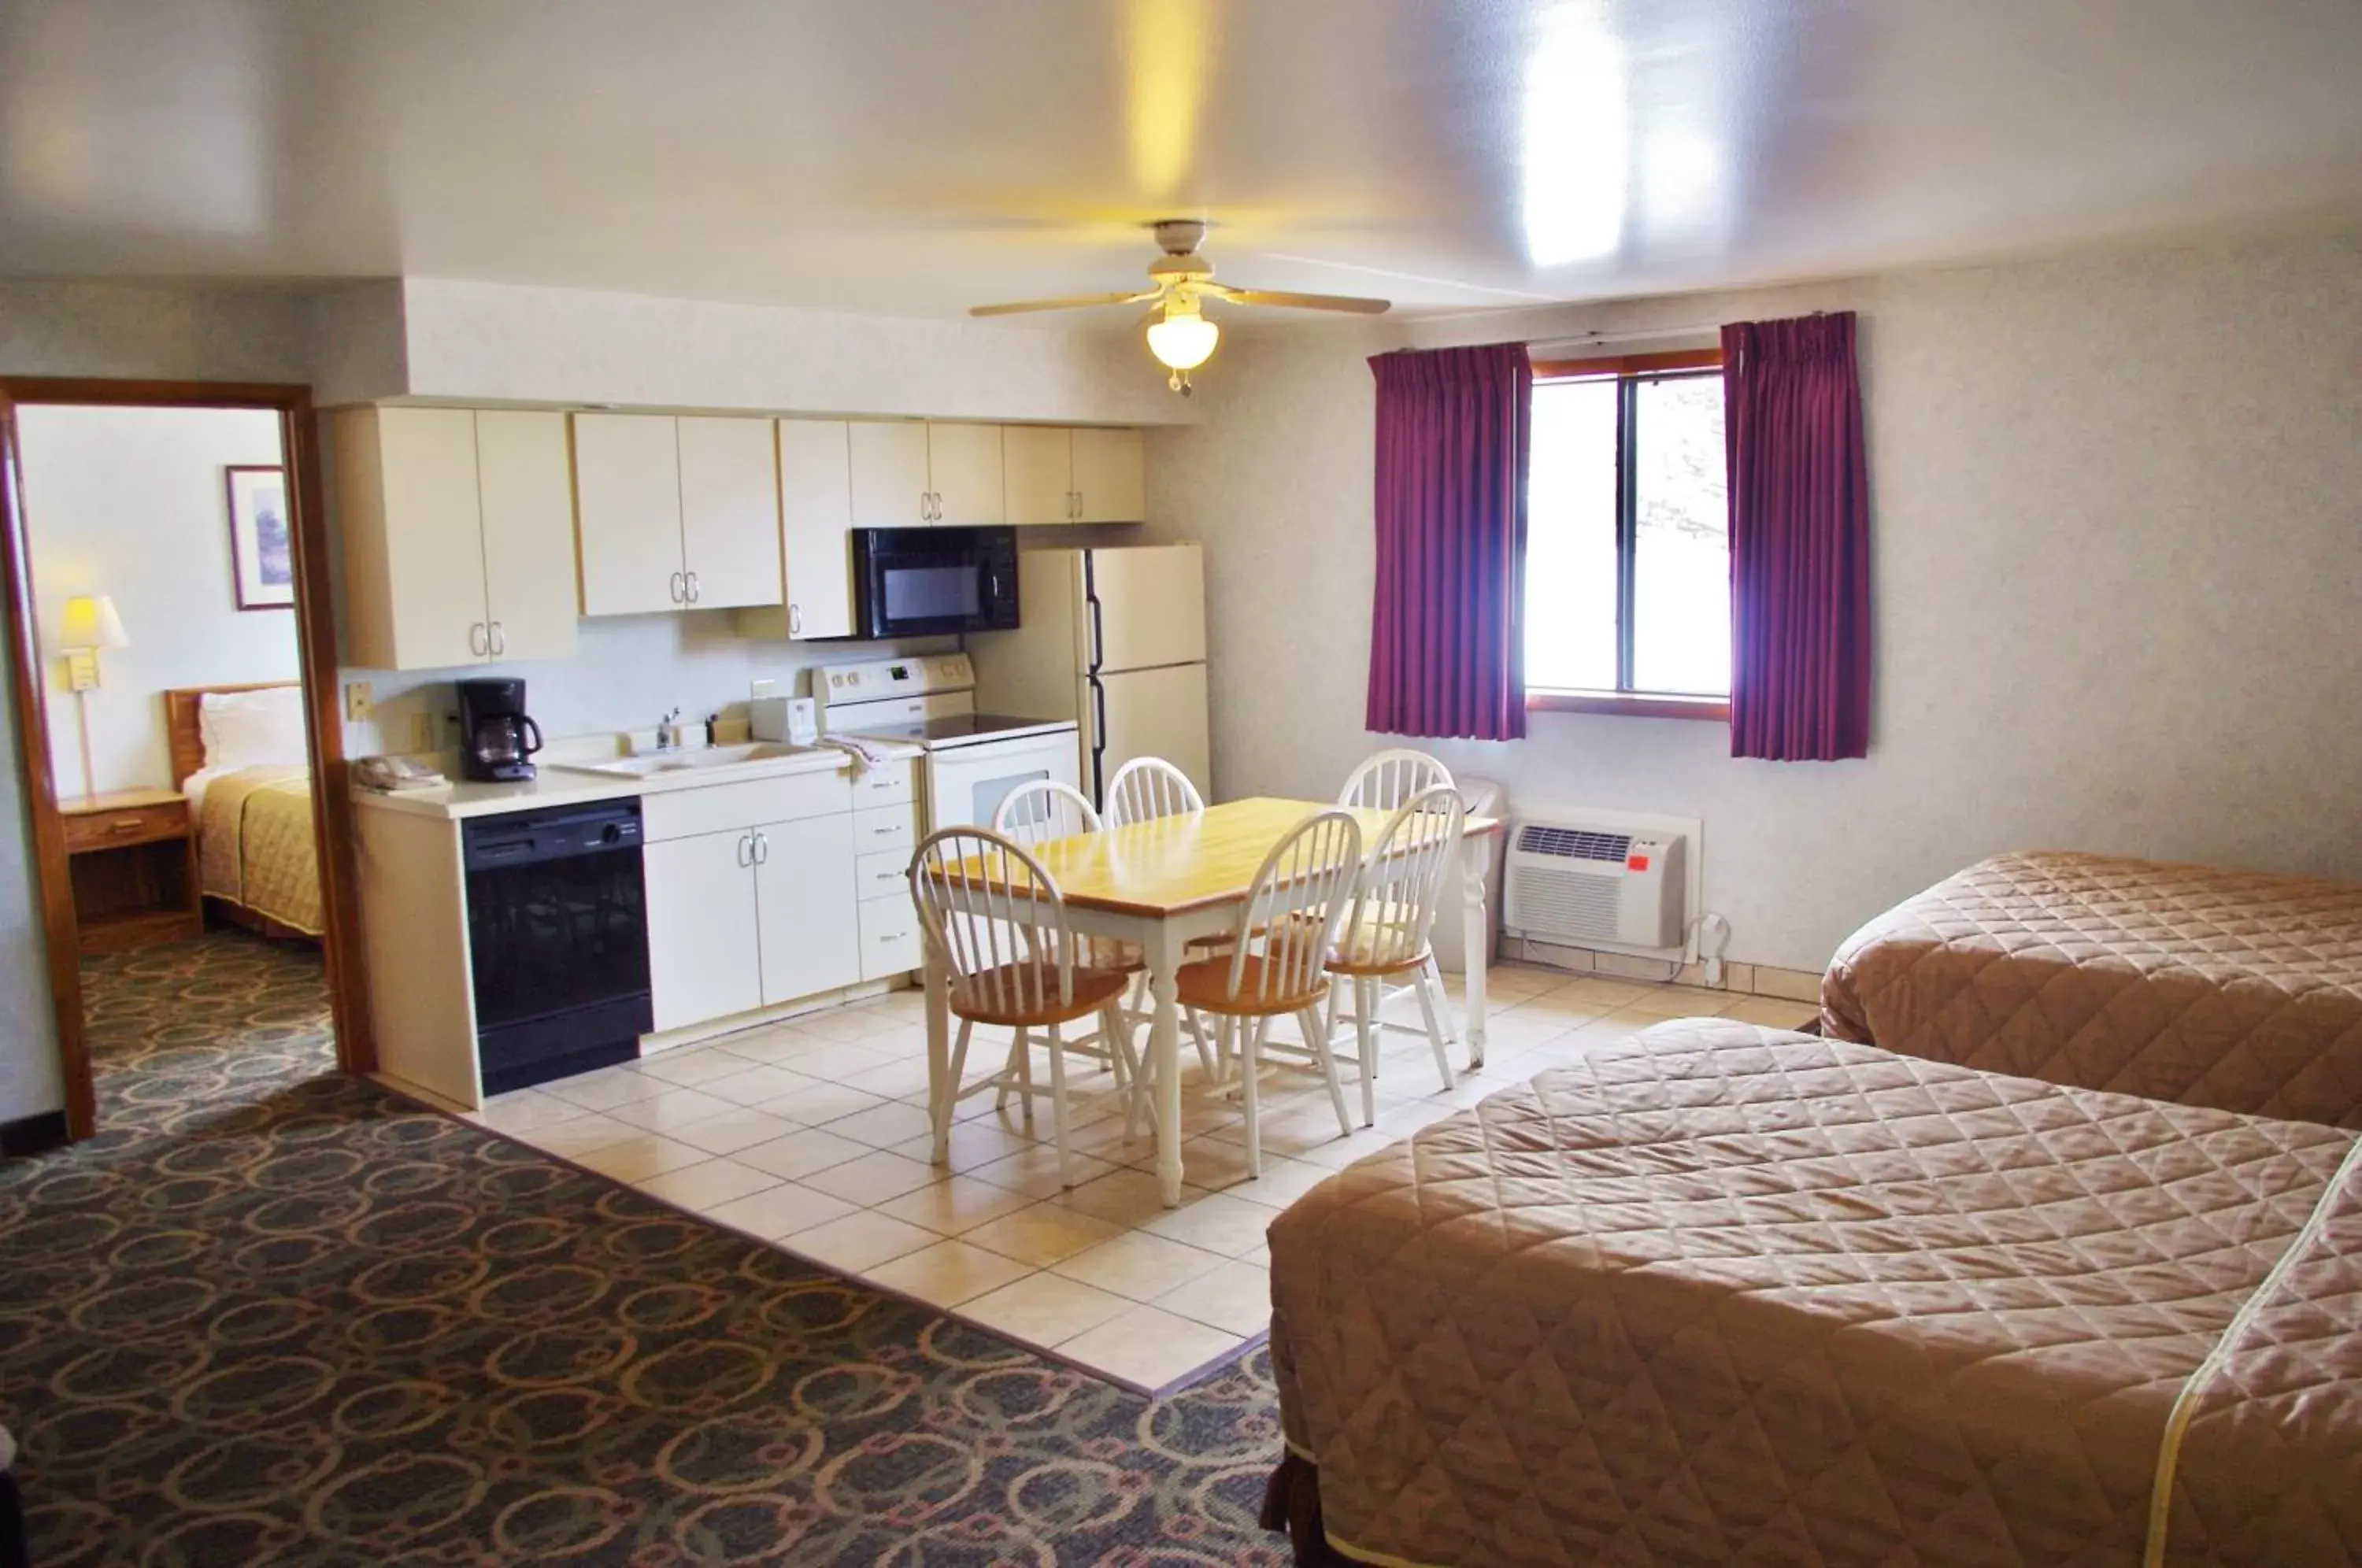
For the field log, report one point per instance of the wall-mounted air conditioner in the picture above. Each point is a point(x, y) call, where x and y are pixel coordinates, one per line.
point(1589, 882)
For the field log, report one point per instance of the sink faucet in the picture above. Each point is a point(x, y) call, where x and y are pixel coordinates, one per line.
point(668, 732)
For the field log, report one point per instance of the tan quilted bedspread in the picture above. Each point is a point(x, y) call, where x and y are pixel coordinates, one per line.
point(255, 846)
point(1724, 1295)
point(2225, 988)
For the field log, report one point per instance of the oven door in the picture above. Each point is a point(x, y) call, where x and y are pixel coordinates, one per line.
point(918, 582)
point(966, 784)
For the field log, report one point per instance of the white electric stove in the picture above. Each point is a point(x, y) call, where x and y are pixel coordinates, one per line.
point(973, 760)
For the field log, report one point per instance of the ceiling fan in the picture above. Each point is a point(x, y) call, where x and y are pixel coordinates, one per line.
point(1181, 281)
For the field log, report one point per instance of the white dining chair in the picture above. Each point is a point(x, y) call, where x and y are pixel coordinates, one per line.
point(1388, 778)
point(1040, 811)
point(1277, 965)
point(1396, 900)
point(996, 921)
point(1144, 790)
point(1147, 788)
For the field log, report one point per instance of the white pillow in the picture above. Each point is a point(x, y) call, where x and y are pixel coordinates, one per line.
point(252, 729)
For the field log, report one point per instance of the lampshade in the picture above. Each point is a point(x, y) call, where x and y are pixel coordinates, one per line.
point(92, 623)
point(1183, 340)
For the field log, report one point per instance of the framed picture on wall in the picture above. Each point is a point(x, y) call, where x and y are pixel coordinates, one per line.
point(262, 554)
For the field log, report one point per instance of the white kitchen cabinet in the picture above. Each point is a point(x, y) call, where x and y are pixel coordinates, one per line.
point(889, 482)
point(627, 513)
point(963, 471)
point(1055, 474)
point(1038, 474)
point(729, 511)
point(1110, 475)
point(805, 892)
point(816, 526)
point(705, 957)
point(527, 494)
point(453, 552)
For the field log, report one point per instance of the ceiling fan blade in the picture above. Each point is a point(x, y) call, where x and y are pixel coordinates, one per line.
point(1072, 302)
point(1352, 303)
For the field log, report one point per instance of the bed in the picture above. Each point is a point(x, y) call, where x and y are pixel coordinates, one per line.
point(2233, 989)
point(238, 755)
point(1725, 1294)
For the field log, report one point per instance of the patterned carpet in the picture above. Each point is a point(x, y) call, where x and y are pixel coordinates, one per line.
point(275, 1316)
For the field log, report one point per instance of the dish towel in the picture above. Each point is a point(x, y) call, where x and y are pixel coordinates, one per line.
point(866, 754)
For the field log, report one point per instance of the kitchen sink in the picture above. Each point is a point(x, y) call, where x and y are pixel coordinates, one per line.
point(693, 759)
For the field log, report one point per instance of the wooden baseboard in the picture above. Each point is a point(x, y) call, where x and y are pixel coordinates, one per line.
point(33, 1134)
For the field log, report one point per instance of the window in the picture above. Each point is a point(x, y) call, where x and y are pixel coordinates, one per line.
point(1628, 541)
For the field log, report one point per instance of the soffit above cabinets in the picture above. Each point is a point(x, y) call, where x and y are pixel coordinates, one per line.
point(917, 157)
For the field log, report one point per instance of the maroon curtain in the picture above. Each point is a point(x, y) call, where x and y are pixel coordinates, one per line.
point(1799, 540)
point(1447, 625)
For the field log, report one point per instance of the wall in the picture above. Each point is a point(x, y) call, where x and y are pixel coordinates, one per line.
point(2117, 513)
point(572, 345)
point(131, 502)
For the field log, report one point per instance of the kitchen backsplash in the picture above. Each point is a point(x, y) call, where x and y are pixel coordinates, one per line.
point(626, 673)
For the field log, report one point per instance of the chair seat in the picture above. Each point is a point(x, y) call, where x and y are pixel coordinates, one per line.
point(1206, 986)
point(1093, 989)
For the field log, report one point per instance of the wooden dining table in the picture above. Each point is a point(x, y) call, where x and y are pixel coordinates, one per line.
point(1161, 883)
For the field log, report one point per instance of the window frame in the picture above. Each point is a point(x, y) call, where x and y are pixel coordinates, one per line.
point(1627, 369)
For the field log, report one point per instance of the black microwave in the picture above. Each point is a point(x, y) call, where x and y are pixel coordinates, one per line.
point(918, 582)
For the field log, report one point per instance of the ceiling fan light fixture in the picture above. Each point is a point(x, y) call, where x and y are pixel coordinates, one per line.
point(1182, 340)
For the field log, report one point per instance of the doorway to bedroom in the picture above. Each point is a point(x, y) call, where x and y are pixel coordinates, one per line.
point(159, 599)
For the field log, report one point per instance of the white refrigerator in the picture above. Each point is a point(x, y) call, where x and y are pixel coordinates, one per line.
point(1114, 640)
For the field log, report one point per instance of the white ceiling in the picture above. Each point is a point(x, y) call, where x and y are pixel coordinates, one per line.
point(920, 156)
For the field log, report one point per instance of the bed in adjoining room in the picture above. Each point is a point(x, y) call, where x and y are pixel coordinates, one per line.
point(239, 756)
point(2234, 989)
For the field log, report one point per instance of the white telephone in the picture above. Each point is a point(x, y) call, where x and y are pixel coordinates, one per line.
point(386, 774)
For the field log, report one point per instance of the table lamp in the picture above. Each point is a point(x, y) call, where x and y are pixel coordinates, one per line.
point(91, 624)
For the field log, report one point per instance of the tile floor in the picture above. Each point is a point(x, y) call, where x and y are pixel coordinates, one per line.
point(811, 1134)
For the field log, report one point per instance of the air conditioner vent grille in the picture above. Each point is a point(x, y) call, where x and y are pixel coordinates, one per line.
point(1573, 844)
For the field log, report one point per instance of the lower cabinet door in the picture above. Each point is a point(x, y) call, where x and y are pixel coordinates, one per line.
point(704, 947)
point(810, 935)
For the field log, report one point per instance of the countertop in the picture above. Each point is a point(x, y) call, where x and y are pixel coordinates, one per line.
point(557, 785)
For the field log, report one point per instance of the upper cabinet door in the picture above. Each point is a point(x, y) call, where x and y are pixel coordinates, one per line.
point(730, 512)
point(627, 513)
point(816, 525)
point(527, 492)
point(1111, 476)
point(1038, 474)
point(413, 538)
point(965, 472)
point(889, 475)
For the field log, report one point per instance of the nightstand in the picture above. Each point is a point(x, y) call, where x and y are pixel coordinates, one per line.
point(134, 868)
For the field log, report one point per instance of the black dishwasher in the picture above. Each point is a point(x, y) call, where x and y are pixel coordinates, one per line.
point(557, 938)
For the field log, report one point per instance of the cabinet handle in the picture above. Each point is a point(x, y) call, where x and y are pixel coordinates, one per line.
point(688, 582)
point(762, 849)
point(498, 638)
point(747, 849)
point(795, 621)
point(1074, 504)
point(124, 824)
point(672, 588)
point(478, 643)
point(887, 833)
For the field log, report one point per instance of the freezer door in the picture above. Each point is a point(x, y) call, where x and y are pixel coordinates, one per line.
point(1147, 607)
point(1146, 713)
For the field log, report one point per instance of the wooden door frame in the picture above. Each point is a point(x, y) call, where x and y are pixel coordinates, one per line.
point(315, 632)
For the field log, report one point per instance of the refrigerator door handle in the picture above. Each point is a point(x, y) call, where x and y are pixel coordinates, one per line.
point(1098, 623)
point(1099, 740)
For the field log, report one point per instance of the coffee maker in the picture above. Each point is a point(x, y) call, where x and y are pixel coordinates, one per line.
point(496, 736)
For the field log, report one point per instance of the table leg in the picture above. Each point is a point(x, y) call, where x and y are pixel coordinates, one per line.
point(939, 1052)
point(1474, 857)
point(1164, 955)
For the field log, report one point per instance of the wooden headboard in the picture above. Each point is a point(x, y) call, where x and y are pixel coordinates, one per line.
point(182, 735)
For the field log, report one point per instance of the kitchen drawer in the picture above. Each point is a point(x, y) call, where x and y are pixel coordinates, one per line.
point(131, 824)
point(886, 875)
point(882, 828)
point(718, 807)
point(890, 938)
point(887, 786)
